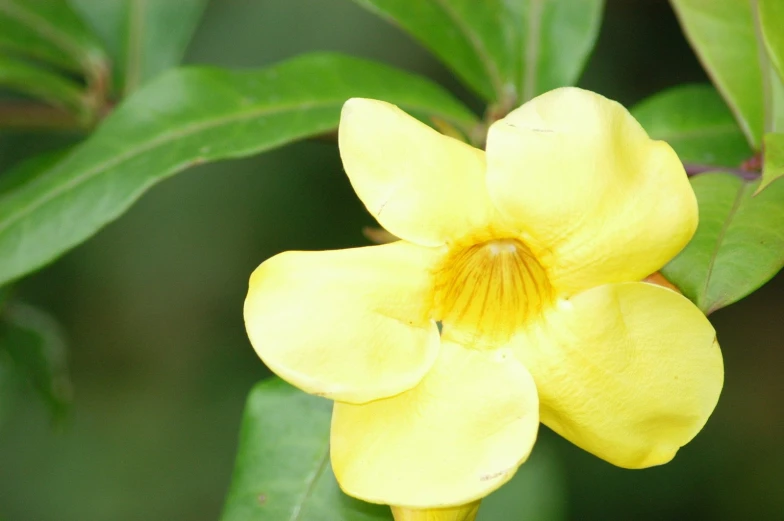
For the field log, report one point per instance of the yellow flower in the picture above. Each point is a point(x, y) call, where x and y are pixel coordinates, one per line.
point(529, 257)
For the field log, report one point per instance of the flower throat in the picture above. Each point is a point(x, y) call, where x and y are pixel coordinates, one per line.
point(486, 291)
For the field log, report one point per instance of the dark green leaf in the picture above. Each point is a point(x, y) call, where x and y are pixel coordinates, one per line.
point(34, 343)
point(773, 165)
point(49, 30)
point(506, 51)
point(9, 385)
point(739, 244)
point(722, 32)
point(282, 470)
point(144, 37)
point(187, 117)
point(536, 493)
point(9, 379)
point(696, 122)
point(25, 78)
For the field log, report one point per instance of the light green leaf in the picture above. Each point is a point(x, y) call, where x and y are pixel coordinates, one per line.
point(776, 94)
point(771, 17)
point(49, 30)
point(34, 343)
point(187, 117)
point(24, 78)
point(739, 244)
point(722, 32)
point(507, 51)
point(771, 27)
point(773, 164)
point(696, 122)
point(282, 471)
point(536, 493)
point(145, 37)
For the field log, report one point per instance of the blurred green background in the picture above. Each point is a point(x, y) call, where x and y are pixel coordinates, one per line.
point(152, 307)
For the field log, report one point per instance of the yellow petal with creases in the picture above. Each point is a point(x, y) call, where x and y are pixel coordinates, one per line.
point(629, 372)
point(420, 185)
point(457, 436)
point(579, 177)
point(351, 325)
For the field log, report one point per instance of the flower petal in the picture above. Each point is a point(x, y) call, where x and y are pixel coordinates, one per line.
point(420, 185)
point(350, 325)
point(579, 176)
point(454, 438)
point(629, 372)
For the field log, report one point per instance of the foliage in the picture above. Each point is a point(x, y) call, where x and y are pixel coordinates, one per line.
point(34, 344)
point(191, 116)
point(109, 71)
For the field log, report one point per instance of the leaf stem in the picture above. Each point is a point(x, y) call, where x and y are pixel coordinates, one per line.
point(531, 52)
point(693, 169)
point(133, 61)
point(29, 115)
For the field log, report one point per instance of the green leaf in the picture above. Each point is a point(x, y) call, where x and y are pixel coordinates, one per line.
point(776, 103)
point(9, 379)
point(722, 32)
point(771, 17)
point(282, 469)
point(739, 244)
point(9, 386)
point(40, 83)
point(773, 165)
point(187, 117)
point(49, 30)
point(507, 51)
point(536, 493)
point(696, 122)
point(34, 343)
point(27, 170)
point(145, 37)
point(771, 29)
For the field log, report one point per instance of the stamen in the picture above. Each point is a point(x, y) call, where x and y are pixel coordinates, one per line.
point(489, 290)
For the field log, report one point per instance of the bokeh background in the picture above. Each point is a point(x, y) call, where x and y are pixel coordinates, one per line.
point(151, 307)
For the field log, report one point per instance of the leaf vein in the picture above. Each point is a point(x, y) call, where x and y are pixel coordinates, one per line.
point(311, 482)
point(161, 140)
point(478, 46)
point(720, 237)
point(146, 147)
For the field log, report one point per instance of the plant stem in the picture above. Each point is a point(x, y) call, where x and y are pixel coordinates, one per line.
point(695, 169)
point(459, 513)
point(29, 115)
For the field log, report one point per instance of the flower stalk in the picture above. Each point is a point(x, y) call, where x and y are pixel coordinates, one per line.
point(459, 513)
